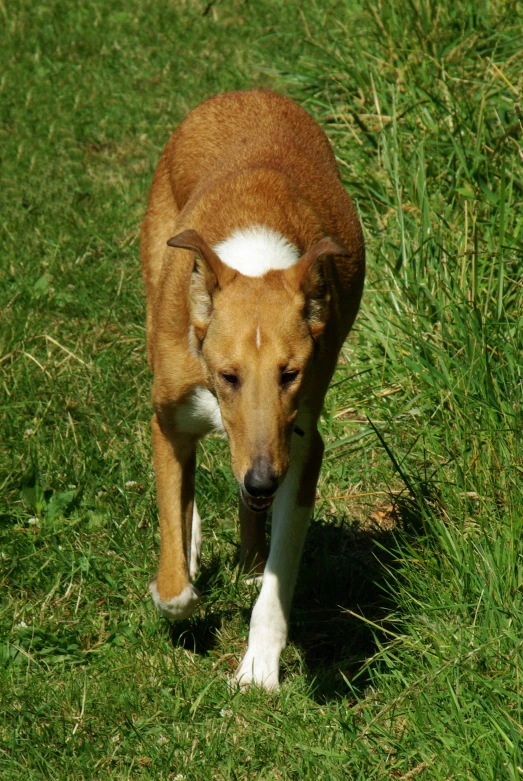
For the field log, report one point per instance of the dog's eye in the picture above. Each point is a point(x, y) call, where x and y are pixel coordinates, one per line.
point(230, 379)
point(287, 377)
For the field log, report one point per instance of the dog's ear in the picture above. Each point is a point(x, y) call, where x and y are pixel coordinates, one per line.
point(209, 275)
point(220, 275)
point(308, 275)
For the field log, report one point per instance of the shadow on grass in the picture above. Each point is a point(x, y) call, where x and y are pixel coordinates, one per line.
point(346, 570)
point(199, 633)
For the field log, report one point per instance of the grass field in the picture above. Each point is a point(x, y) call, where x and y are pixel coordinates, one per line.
point(405, 654)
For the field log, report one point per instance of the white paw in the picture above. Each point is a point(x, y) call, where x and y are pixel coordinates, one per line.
point(259, 669)
point(178, 607)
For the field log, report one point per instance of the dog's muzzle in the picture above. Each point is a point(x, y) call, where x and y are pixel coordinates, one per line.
point(260, 505)
point(259, 486)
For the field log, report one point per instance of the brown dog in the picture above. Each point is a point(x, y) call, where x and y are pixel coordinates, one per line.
point(248, 307)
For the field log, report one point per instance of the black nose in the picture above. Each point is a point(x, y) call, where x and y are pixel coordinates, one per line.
point(260, 481)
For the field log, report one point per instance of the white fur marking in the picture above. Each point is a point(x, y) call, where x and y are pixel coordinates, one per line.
point(196, 543)
point(258, 337)
point(255, 251)
point(178, 607)
point(199, 413)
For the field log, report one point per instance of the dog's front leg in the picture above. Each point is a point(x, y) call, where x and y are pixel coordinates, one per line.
point(293, 508)
point(174, 464)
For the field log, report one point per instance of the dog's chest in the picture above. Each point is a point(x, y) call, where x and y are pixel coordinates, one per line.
point(199, 413)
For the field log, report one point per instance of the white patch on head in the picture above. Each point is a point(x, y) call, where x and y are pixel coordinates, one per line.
point(199, 413)
point(258, 337)
point(255, 251)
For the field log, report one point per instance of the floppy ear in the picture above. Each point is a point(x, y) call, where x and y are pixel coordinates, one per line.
point(308, 275)
point(209, 275)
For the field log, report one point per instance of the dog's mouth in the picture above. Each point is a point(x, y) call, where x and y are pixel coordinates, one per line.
point(256, 505)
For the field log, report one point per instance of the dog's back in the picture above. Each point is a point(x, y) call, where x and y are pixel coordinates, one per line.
point(255, 157)
point(241, 131)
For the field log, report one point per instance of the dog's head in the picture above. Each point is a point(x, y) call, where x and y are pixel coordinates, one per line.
point(256, 336)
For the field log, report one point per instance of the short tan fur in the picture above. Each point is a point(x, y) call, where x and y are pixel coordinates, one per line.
point(237, 344)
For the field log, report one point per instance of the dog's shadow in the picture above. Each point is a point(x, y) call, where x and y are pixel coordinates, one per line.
point(341, 600)
point(343, 595)
point(199, 634)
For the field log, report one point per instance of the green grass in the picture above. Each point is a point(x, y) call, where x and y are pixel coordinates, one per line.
point(405, 655)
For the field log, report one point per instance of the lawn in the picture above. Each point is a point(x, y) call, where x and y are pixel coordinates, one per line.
point(405, 654)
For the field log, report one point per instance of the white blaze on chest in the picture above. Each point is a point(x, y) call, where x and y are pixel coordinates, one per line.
point(199, 413)
point(256, 250)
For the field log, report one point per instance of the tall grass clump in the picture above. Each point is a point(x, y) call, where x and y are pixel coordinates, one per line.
point(404, 659)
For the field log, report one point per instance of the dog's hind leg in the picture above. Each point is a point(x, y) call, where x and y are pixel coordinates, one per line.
point(253, 542)
point(196, 543)
point(293, 508)
point(174, 463)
